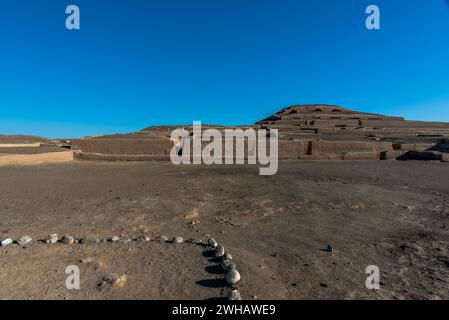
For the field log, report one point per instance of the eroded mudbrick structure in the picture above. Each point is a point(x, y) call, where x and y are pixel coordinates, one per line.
point(306, 132)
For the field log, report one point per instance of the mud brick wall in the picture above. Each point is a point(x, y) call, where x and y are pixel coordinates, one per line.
point(108, 157)
point(124, 147)
point(293, 149)
point(288, 149)
point(339, 147)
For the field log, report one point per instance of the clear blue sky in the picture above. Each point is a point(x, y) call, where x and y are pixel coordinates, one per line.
point(137, 63)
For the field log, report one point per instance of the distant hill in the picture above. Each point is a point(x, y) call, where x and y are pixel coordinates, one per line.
point(16, 139)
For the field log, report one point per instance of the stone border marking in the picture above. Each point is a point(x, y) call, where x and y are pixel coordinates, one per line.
point(232, 276)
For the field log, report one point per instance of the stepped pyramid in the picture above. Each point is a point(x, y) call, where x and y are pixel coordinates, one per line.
point(306, 132)
point(339, 124)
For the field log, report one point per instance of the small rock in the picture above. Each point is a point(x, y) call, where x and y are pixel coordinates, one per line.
point(86, 260)
point(121, 281)
point(51, 238)
point(66, 239)
point(233, 277)
point(227, 256)
point(219, 251)
point(90, 240)
point(5, 241)
point(177, 239)
point(212, 243)
point(197, 242)
point(114, 239)
point(323, 285)
point(113, 279)
point(142, 238)
point(125, 240)
point(234, 295)
point(358, 206)
point(227, 265)
point(329, 248)
point(23, 240)
point(161, 238)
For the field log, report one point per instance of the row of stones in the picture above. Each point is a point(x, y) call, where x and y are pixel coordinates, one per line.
point(68, 239)
point(233, 276)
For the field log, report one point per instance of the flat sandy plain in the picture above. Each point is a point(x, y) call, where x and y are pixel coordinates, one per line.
point(392, 214)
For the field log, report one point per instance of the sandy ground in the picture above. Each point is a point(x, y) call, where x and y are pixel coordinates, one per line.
point(387, 213)
point(19, 150)
point(33, 158)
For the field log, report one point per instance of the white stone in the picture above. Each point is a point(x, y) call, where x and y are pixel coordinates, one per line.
point(178, 239)
point(219, 251)
point(142, 238)
point(233, 277)
point(66, 239)
point(227, 256)
point(51, 238)
point(114, 239)
point(234, 295)
point(23, 240)
point(212, 243)
point(162, 238)
point(5, 241)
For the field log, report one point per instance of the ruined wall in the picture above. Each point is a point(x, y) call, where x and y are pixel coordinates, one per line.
point(124, 147)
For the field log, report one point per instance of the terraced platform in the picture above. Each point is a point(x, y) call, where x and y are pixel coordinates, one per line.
point(306, 132)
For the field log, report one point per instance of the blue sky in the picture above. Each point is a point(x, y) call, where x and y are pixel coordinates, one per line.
point(137, 63)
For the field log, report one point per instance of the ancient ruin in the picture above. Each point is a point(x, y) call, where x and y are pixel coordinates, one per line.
point(306, 132)
point(313, 230)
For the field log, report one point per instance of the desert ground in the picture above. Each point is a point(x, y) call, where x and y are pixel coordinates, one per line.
point(393, 214)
